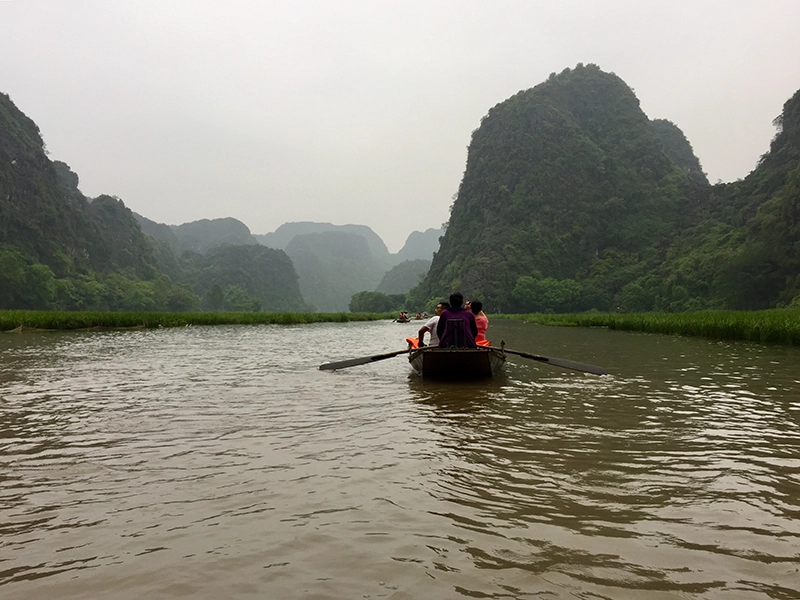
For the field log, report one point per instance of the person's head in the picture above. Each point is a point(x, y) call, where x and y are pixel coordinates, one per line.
point(476, 306)
point(442, 306)
point(456, 299)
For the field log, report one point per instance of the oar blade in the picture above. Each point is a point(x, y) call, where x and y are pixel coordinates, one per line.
point(354, 362)
point(561, 362)
point(576, 366)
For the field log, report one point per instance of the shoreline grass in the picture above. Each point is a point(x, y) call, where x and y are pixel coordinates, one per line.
point(21, 320)
point(777, 326)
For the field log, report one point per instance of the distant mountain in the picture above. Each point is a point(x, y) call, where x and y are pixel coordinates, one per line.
point(284, 234)
point(404, 276)
point(332, 266)
point(219, 256)
point(206, 234)
point(420, 245)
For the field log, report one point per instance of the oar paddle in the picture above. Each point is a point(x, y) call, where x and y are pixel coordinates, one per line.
point(560, 362)
point(352, 362)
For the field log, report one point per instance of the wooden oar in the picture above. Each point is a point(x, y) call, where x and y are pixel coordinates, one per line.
point(352, 362)
point(560, 362)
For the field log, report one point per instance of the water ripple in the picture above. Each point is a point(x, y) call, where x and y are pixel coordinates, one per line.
point(209, 462)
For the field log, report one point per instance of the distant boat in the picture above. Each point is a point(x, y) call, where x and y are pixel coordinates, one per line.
point(483, 362)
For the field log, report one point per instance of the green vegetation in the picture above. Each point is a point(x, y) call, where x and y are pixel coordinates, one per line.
point(780, 326)
point(573, 200)
point(64, 320)
point(62, 251)
point(376, 302)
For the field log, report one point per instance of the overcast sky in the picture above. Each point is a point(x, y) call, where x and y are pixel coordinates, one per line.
point(362, 111)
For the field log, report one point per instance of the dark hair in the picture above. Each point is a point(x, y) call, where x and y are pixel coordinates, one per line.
point(456, 299)
point(476, 306)
point(445, 304)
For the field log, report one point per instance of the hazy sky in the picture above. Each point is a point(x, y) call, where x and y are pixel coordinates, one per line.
point(361, 111)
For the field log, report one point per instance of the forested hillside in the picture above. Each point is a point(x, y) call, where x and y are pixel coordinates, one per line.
point(60, 250)
point(573, 199)
point(744, 249)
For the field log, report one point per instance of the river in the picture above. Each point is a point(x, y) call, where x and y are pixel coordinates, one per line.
point(220, 462)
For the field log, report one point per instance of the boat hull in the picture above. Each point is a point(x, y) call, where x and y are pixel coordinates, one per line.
point(457, 363)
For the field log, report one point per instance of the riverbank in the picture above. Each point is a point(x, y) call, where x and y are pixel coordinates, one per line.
point(36, 320)
point(779, 326)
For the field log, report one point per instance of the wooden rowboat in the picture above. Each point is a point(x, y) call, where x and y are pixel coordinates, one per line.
point(457, 363)
point(460, 363)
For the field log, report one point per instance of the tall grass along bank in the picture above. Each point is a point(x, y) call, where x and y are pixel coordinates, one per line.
point(20, 320)
point(779, 326)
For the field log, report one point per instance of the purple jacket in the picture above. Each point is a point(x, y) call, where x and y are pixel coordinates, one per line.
point(457, 327)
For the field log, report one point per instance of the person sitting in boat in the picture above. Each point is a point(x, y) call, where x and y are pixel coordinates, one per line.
point(456, 326)
point(430, 327)
point(481, 320)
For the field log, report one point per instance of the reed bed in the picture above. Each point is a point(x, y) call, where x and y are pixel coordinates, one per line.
point(21, 320)
point(779, 326)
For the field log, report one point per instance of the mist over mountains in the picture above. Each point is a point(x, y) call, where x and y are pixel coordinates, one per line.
point(332, 262)
point(572, 199)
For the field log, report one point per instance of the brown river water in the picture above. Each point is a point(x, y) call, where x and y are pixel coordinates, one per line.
point(220, 462)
